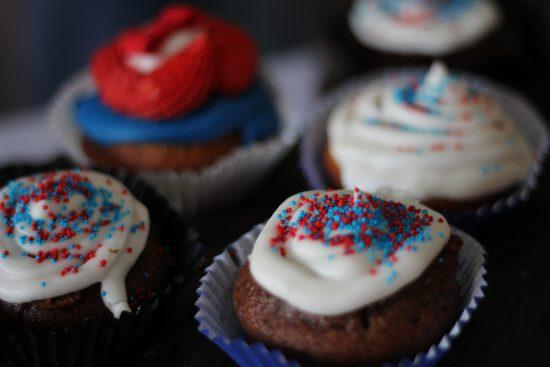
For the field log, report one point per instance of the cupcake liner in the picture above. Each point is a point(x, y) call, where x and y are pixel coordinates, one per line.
point(527, 120)
point(107, 340)
point(188, 191)
point(218, 321)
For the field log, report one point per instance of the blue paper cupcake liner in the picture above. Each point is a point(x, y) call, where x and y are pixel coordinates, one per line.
point(528, 121)
point(218, 321)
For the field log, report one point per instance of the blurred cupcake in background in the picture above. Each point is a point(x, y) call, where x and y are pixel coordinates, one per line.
point(178, 99)
point(432, 28)
point(468, 34)
point(451, 141)
point(178, 93)
point(433, 137)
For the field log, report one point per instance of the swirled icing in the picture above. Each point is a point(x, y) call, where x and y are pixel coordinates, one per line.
point(422, 27)
point(172, 65)
point(332, 252)
point(429, 136)
point(64, 231)
point(251, 113)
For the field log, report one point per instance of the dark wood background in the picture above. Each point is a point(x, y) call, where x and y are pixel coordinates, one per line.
point(510, 328)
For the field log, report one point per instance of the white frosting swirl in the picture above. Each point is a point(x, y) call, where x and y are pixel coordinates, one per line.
point(147, 62)
point(344, 250)
point(431, 137)
point(422, 27)
point(61, 232)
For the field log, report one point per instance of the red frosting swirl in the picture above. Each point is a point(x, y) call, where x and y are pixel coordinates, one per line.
point(222, 58)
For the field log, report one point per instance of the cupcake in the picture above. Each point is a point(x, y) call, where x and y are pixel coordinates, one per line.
point(431, 136)
point(81, 257)
point(180, 102)
point(470, 34)
point(422, 27)
point(178, 93)
point(350, 278)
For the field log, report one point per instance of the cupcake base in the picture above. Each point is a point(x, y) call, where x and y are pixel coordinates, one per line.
point(401, 325)
point(159, 157)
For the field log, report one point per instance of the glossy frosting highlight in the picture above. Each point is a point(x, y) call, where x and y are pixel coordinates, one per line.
point(422, 27)
point(64, 231)
point(146, 61)
point(427, 136)
point(252, 114)
point(333, 252)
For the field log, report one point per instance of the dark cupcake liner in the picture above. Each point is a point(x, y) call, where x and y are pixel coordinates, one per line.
point(105, 341)
point(528, 122)
point(218, 320)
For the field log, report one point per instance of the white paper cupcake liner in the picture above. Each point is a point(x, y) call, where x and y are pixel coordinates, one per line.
point(218, 321)
point(528, 121)
point(188, 191)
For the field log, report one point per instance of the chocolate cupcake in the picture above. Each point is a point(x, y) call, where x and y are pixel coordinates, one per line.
point(348, 277)
point(433, 137)
point(81, 259)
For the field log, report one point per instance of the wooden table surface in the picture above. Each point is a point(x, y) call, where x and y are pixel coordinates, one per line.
point(511, 327)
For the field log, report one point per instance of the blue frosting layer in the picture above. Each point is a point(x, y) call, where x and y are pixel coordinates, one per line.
point(251, 113)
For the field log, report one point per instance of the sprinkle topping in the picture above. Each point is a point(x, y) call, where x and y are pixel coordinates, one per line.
point(66, 230)
point(331, 252)
point(35, 212)
point(358, 223)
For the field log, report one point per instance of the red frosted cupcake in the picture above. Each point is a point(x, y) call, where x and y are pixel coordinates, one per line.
point(179, 100)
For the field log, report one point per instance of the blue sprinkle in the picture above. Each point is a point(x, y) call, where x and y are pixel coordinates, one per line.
point(392, 277)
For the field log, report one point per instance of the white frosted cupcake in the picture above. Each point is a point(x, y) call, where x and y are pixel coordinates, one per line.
point(468, 34)
point(420, 27)
point(333, 270)
point(83, 254)
point(432, 136)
